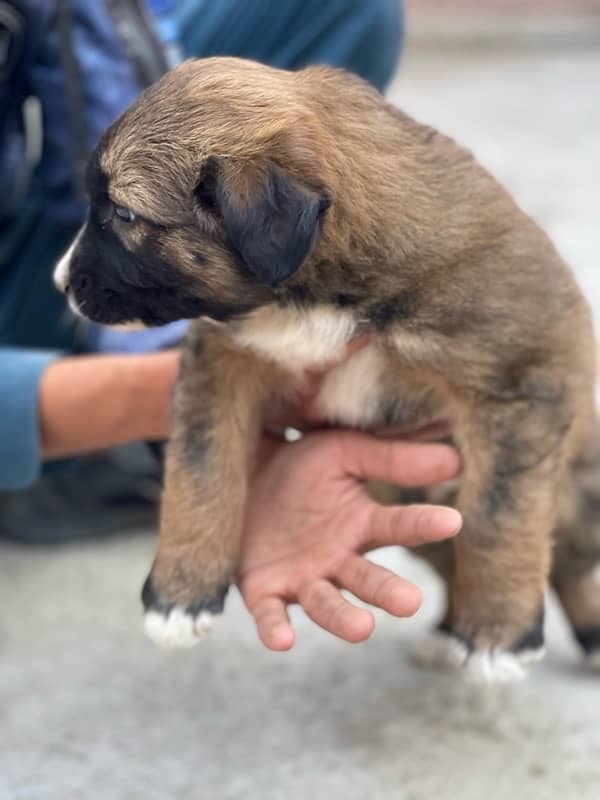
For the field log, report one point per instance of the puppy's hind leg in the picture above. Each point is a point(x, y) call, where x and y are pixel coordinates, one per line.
point(514, 457)
point(216, 422)
point(576, 570)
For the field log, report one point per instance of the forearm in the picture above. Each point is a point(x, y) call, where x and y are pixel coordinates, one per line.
point(93, 402)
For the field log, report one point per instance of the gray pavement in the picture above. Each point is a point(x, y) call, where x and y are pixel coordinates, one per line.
point(89, 709)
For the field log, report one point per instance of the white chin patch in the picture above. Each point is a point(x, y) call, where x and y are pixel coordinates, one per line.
point(179, 628)
point(61, 271)
point(488, 665)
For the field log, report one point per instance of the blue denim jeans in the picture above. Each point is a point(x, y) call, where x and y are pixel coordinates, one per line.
point(364, 36)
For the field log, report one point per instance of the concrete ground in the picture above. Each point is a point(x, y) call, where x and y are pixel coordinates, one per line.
point(89, 709)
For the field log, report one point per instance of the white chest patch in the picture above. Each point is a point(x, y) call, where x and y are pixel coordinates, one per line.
point(299, 340)
point(295, 338)
point(351, 393)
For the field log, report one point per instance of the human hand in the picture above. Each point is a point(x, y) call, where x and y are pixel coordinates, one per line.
point(309, 520)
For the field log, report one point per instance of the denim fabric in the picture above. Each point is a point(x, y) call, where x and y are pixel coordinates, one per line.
point(19, 434)
point(364, 36)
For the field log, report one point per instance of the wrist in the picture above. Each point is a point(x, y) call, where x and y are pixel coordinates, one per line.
point(150, 379)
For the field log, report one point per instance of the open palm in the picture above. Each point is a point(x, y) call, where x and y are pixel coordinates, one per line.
point(310, 519)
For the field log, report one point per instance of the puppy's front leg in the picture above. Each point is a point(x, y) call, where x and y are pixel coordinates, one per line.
point(216, 422)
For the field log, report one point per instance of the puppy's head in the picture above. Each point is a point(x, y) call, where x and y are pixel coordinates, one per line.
point(205, 196)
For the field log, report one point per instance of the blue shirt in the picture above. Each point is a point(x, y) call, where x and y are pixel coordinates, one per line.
point(107, 81)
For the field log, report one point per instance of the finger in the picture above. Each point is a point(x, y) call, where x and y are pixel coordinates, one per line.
point(410, 525)
point(379, 587)
point(273, 624)
point(325, 605)
point(403, 463)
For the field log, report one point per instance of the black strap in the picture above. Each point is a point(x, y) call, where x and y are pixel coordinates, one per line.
point(137, 34)
point(12, 39)
point(20, 113)
point(139, 38)
point(74, 95)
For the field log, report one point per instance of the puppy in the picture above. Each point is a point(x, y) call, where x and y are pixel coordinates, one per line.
point(285, 211)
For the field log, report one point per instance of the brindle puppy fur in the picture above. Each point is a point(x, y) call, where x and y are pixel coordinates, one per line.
point(293, 209)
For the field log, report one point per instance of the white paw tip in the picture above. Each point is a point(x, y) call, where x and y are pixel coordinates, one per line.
point(204, 623)
point(177, 629)
point(442, 650)
point(494, 666)
point(438, 649)
point(528, 657)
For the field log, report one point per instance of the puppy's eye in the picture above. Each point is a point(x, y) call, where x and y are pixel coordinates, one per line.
point(126, 214)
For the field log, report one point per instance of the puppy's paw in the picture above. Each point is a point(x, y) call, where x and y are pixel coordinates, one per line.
point(178, 628)
point(445, 649)
point(589, 640)
point(486, 665)
point(440, 650)
point(172, 624)
point(494, 665)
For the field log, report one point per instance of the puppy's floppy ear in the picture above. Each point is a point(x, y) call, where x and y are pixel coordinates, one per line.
point(272, 219)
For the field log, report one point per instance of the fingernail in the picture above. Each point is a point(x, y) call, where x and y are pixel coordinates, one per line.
point(458, 521)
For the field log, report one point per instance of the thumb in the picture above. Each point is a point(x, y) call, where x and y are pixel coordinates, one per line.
point(403, 463)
